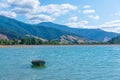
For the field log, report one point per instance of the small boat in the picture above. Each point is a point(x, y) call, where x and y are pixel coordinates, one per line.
point(38, 62)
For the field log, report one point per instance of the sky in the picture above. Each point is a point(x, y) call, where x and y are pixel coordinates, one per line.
point(102, 14)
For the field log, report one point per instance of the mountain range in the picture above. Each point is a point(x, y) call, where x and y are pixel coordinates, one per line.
point(91, 34)
point(14, 29)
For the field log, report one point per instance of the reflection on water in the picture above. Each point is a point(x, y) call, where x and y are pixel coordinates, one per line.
point(38, 67)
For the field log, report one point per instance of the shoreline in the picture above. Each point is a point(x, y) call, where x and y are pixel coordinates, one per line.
point(12, 46)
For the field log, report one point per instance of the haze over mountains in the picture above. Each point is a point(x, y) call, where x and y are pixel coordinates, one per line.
point(13, 29)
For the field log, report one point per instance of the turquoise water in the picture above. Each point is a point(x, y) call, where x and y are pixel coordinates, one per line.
point(63, 63)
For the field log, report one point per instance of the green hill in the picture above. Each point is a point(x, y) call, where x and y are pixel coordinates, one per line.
point(16, 29)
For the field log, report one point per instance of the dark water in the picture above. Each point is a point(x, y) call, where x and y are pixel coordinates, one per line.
point(63, 63)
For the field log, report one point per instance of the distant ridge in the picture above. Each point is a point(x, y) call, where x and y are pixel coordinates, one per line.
point(91, 34)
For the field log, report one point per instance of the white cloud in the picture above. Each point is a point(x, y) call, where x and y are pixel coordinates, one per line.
point(3, 5)
point(20, 6)
point(40, 18)
point(68, 6)
point(21, 10)
point(86, 6)
point(24, 6)
point(73, 19)
point(24, 3)
point(80, 24)
point(33, 7)
point(89, 11)
point(117, 14)
point(94, 17)
point(113, 26)
point(8, 14)
point(57, 10)
point(113, 23)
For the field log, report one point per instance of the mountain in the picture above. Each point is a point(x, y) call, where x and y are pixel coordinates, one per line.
point(12, 28)
point(115, 40)
point(15, 29)
point(91, 34)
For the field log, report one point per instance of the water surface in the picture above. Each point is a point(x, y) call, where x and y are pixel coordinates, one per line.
point(63, 63)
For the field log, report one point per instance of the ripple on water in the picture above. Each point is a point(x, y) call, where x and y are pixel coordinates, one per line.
point(63, 63)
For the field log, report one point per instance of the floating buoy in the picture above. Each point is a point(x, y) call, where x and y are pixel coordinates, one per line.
point(38, 62)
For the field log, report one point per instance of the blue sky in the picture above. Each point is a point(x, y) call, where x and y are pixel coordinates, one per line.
point(103, 14)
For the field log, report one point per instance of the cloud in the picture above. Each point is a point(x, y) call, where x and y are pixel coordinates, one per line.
point(52, 11)
point(86, 6)
point(80, 24)
point(89, 11)
point(117, 14)
point(57, 10)
point(15, 7)
point(24, 3)
point(113, 23)
point(94, 17)
point(34, 7)
point(24, 6)
point(73, 19)
point(74, 23)
point(40, 18)
point(8, 14)
point(3, 5)
point(21, 10)
point(113, 26)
